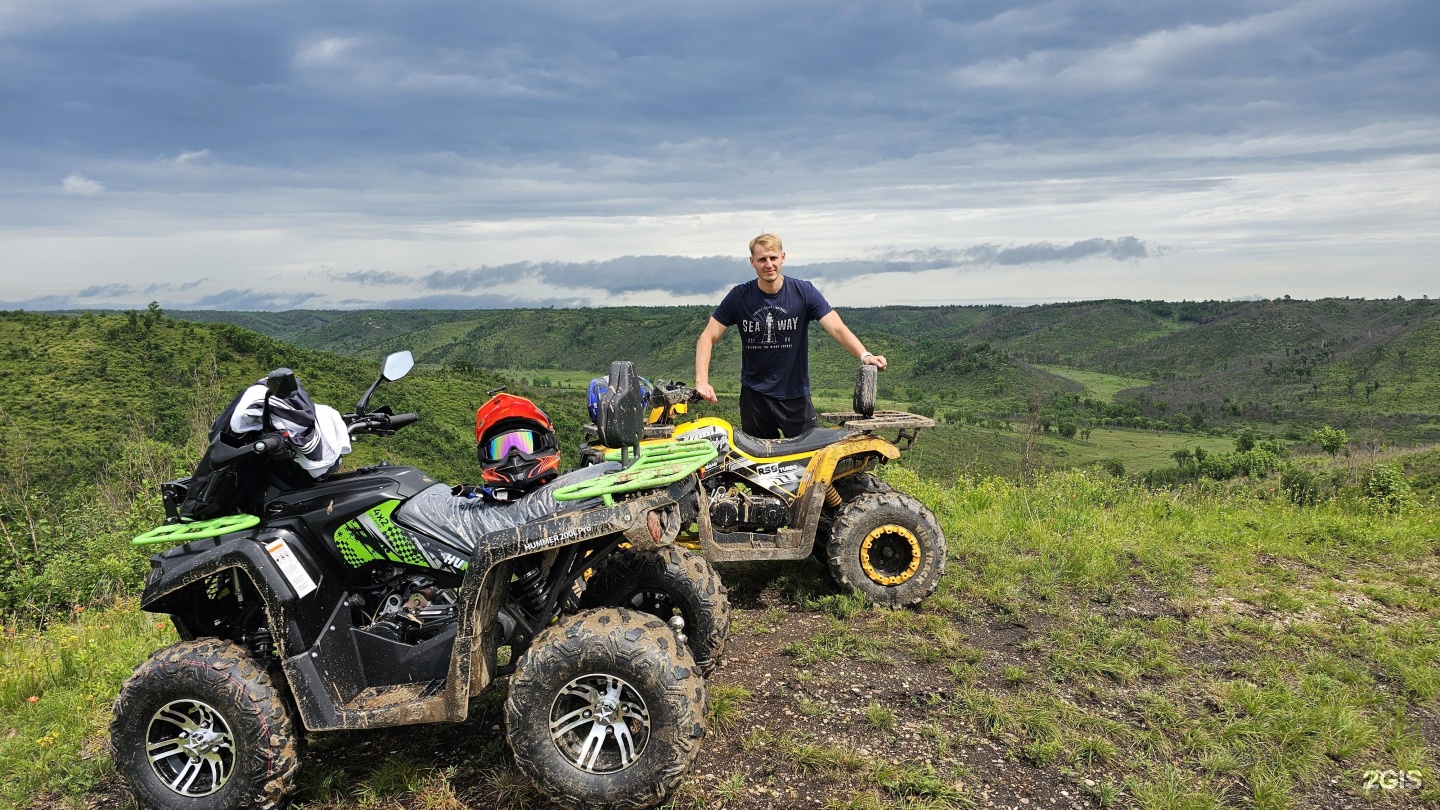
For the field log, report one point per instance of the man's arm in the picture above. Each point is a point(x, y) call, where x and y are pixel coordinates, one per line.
point(842, 334)
point(707, 341)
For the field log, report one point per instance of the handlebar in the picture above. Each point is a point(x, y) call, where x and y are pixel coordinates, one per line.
point(378, 422)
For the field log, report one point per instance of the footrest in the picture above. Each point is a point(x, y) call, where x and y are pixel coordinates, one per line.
point(658, 465)
point(199, 530)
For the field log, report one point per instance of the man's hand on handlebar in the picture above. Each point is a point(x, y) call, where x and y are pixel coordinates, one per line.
point(706, 392)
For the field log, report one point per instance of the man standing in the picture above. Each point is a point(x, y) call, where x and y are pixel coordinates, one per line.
point(774, 314)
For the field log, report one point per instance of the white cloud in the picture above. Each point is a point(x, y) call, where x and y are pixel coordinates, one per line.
point(78, 183)
point(190, 157)
point(327, 51)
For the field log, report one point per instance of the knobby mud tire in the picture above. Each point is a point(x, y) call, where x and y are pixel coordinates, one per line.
point(910, 525)
point(225, 677)
point(865, 386)
point(684, 580)
point(640, 650)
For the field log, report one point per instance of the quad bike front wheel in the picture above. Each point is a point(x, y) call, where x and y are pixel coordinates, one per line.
point(606, 710)
point(201, 725)
point(888, 546)
point(664, 583)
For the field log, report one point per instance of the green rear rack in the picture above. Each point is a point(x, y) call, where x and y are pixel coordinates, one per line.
point(659, 465)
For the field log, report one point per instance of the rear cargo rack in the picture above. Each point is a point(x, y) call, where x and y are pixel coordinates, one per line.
point(906, 425)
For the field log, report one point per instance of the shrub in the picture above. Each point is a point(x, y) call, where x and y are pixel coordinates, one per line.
point(1299, 485)
point(1386, 487)
point(1257, 462)
point(1329, 439)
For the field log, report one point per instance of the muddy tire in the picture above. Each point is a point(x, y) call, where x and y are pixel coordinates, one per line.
point(201, 726)
point(662, 583)
point(888, 546)
point(606, 710)
point(865, 387)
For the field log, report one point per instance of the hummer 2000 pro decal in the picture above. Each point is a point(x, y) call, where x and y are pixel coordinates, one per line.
point(374, 535)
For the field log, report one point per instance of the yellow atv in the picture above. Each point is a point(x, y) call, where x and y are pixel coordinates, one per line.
point(785, 499)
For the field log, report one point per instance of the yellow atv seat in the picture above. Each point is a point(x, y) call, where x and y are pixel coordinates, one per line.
point(807, 442)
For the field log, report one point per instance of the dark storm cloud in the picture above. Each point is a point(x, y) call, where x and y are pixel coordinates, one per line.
point(1126, 248)
point(105, 291)
point(251, 301)
point(370, 278)
point(175, 286)
point(482, 302)
point(682, 275)
point(292, 85)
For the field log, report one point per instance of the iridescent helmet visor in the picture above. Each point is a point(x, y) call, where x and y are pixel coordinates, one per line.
point(501, 444)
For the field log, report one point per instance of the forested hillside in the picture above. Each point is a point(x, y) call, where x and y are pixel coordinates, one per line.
point(1356, 362)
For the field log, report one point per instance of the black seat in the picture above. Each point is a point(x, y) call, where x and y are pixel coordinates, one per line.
point(810, 440)
point(459, 522)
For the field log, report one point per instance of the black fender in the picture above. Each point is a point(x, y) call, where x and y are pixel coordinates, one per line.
point(176, 570)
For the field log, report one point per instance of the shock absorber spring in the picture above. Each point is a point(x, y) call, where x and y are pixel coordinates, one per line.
point(529, 591)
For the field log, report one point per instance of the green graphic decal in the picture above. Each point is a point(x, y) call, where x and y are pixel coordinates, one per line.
point(372, 535)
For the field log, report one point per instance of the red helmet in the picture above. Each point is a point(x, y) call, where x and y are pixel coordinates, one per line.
point(517, 445)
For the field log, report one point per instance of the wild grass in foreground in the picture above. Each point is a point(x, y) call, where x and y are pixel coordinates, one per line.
point(1215, 647)
point(56, 688)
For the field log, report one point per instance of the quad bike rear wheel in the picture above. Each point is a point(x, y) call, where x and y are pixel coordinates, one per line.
point(606, 710)
point(664, 583)
point(200, 725)
point(888, 546)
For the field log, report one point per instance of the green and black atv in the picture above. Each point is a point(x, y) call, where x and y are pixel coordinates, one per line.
point(376, 598)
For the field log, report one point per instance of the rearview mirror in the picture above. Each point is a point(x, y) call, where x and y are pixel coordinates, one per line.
point(397, 365)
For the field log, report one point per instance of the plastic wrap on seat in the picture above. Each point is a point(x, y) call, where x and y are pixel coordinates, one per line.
point(459, 521)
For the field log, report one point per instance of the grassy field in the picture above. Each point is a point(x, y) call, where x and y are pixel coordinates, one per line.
point(950, 451)
point(1097, 385)
point(1220, 647)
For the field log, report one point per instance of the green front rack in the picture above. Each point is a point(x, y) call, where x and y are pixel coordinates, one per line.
point(658, 465)
point(199, 530)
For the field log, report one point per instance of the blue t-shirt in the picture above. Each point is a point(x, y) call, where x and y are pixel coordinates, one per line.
point(774, 332)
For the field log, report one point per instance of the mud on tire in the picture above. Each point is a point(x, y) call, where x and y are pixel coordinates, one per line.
point(232, 740)
point(662, 582)
point(606, 710)
point(888, 546)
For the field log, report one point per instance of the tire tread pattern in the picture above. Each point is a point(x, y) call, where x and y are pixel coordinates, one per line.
point(686, 577)
point(211, 670)
point(867, 511)
point(638, 647)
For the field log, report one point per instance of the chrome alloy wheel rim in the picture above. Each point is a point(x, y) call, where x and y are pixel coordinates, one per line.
point(190, 748)
point(599, 723)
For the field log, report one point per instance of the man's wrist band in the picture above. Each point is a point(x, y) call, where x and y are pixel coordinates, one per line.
point(864, 355)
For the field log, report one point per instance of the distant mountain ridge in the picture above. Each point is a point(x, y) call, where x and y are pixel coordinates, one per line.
point(1279, 359)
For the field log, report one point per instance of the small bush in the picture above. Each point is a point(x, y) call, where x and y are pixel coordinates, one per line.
point(1387, 488)
point(1300, 485)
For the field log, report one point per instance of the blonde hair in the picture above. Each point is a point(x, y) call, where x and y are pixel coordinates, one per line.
point(769, 241)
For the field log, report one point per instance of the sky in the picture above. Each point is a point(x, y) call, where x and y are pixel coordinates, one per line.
point(249, 154)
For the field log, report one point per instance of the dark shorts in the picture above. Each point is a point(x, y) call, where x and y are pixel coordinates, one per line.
point(767, 418)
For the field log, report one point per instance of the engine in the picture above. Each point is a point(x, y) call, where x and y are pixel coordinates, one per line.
point(744, 510)
point(405, 607)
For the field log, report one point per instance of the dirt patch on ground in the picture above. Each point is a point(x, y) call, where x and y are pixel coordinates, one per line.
point(859, 713)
